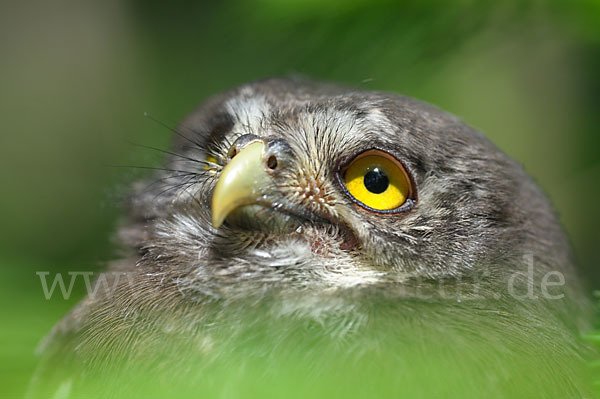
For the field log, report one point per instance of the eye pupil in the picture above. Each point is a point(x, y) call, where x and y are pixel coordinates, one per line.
point(376, 181)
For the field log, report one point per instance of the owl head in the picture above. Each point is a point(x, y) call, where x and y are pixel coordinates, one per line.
point(287, 181)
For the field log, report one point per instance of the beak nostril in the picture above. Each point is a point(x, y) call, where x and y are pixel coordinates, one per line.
point(272, 162)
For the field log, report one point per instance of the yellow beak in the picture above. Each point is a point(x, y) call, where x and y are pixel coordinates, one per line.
point(242, 182)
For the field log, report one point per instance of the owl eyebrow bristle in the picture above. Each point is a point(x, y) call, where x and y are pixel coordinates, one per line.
point(170, 153)
point(175, 130)
point(179, 174)
point(187, 184)
point(165, 179)
point(155, 168)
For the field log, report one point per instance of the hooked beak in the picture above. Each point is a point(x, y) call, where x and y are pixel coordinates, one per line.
point(242, 182)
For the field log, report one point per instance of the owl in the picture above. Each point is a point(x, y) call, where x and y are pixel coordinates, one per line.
point(308, 239)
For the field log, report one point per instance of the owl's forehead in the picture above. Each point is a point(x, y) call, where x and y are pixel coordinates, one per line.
point(308, 119)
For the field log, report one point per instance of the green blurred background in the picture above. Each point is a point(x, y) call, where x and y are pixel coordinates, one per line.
point(76, 78)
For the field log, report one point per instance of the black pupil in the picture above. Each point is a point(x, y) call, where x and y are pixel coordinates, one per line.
point(376, 181)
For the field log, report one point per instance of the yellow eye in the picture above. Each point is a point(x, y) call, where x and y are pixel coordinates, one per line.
point(378, 181)
point(210, 160)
